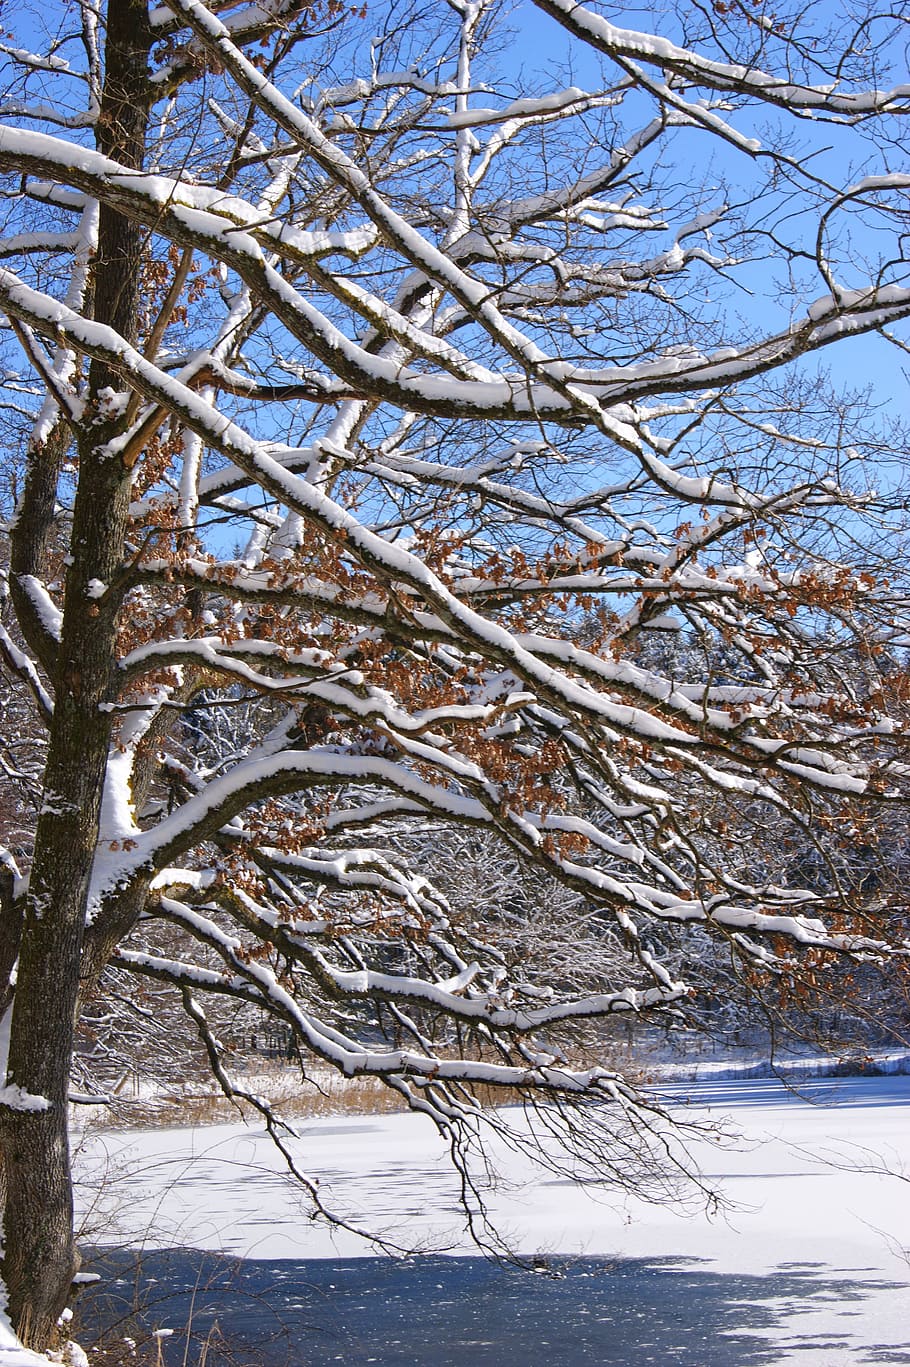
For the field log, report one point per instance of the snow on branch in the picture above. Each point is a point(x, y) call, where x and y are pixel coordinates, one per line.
point(702, 71)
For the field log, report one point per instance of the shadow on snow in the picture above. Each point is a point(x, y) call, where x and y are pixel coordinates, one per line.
point(468, 1312)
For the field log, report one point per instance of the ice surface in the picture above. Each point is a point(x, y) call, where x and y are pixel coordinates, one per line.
point(816, 1179)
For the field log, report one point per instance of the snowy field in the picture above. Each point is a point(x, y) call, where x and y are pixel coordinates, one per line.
point(807, 1264)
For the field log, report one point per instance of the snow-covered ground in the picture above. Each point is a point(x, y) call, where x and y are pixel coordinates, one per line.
point(817, 1184)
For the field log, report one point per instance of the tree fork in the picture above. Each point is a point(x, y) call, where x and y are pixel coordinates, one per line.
point(40, 1257)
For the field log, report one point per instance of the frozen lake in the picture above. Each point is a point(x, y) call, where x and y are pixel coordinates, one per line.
point(806, 1266)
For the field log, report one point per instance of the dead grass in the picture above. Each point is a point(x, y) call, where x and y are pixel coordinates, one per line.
point(290, 1095)
point(293, 1098)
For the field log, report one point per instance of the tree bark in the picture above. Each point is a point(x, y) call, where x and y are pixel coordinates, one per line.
point(40, 1257)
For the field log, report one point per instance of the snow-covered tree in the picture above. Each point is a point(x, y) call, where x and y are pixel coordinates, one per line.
point(370, 380)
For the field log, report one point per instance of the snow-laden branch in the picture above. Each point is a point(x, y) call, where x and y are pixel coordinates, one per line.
point(706, 73)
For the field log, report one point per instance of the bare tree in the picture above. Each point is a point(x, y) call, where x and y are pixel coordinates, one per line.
point(369, 391)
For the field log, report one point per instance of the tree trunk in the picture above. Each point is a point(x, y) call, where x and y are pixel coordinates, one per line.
point(40, 1258)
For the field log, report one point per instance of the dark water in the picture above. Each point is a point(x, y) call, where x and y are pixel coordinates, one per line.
point(466, 1312)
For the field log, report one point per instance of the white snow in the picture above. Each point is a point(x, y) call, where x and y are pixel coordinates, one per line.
point(18, 1099)
point(44, 605)
point(12, 1354)
point(799, 1182)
